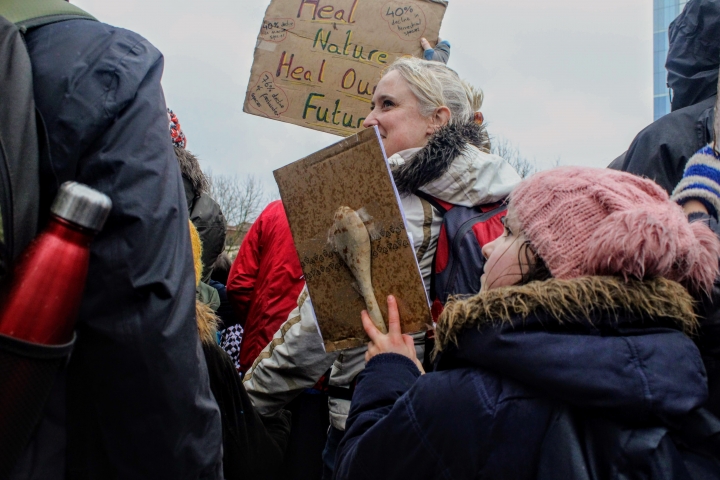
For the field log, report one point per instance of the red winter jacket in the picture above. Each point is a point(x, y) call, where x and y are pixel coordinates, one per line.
point(265, 281)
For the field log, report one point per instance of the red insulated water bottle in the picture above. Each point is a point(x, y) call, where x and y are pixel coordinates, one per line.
point(49, 278)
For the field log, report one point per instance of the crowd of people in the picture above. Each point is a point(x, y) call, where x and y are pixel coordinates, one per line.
point(588, 347)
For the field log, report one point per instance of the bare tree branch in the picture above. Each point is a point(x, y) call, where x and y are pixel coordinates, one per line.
point(504, 148)
point(241, 201)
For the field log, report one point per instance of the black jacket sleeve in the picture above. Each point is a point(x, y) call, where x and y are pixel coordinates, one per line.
point(661, 150)
point(381, 431)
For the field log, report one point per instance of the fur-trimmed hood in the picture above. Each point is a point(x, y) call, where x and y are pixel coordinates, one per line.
point(190, 170)
point(207, 323)
point(591, 341)
point(455, 166)
point(569, 301)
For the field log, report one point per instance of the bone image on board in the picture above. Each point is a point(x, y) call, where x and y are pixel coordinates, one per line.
point(350, 239)
point(352, 175)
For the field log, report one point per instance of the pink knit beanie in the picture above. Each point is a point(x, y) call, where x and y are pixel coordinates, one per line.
point(592, 221)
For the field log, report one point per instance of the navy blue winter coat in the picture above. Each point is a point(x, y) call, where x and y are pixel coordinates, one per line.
point(594, 343)
point(135, 400)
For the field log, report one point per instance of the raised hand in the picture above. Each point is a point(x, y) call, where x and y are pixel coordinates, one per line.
point(392, 342)
point(438, 53)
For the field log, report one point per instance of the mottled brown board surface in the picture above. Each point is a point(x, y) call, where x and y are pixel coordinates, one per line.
point(317, 62)
point(351, 173)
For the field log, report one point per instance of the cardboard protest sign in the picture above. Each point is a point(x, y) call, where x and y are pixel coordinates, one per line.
point(318, 192)
point(317, 62)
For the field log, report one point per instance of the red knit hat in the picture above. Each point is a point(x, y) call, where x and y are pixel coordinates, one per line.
point(591, 221)
point(176, 134)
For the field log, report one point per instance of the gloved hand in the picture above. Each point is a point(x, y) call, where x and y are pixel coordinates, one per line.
point(701, 181)
point(441, 52)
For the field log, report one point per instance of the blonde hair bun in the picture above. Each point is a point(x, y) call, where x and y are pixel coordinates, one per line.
point(435, 85)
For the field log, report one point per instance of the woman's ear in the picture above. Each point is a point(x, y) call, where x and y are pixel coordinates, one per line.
point(439, 119)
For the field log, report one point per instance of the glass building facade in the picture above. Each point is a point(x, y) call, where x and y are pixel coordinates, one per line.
point(664, 12)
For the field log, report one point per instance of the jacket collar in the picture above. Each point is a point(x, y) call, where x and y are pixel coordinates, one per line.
point(568, 301)
point(431, 161)
point(456, 167)
point(592, 342)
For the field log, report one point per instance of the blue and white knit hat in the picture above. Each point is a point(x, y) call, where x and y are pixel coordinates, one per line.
point(701, 180)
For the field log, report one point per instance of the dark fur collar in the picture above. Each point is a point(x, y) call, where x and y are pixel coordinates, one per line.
point(568, 301)
point(190, 169)
point(430, 162)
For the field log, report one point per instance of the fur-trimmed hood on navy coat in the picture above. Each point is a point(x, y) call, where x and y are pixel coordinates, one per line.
point(508, 359)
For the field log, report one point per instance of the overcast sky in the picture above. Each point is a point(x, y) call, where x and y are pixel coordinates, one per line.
point(567, 79)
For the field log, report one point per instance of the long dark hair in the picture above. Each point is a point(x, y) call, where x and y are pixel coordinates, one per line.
point(537, 269)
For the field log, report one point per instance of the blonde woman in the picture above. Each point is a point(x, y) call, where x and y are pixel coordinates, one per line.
point(426, 116)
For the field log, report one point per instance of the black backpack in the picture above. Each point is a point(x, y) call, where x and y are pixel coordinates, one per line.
point(27, 370)
point(23, 140)
point(21, 134)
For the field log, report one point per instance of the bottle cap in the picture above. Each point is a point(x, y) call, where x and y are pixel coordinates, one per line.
point(82, 205)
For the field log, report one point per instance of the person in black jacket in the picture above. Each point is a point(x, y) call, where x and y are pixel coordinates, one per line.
point(135, 400)
point(207, 217)
point(204, 211)
point(662, 149)
point(585, 308)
